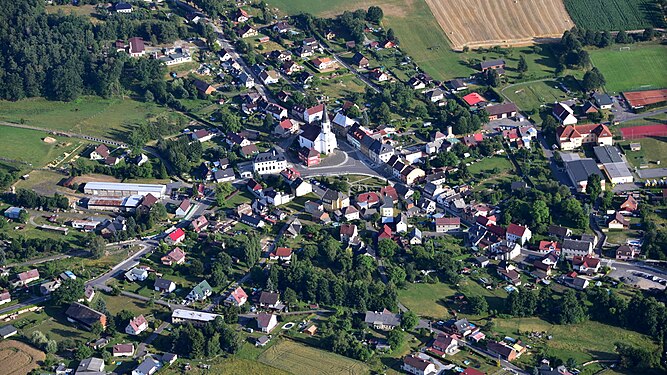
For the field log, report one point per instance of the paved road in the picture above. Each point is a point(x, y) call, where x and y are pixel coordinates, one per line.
point(100, 282)
point(28, 302)
point(141, 350)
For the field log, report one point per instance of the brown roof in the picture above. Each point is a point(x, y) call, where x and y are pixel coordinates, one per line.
point(27, 275)
point(416, 362)
point(149, 200)
point(516, 230)
point(123, 348)
point(347, 229)
point(448, 221)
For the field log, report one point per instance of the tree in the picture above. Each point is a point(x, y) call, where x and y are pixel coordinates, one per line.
point(70, 290)
point(83, 352)
point(374, 14)
point(541, 214)
point(66, 81)
point(593, 79)
point(51, 346)
point(387, 247)
point(607, 200)
point(196, 267)
point(409, 320)
point(383, 113)
point(97, 247)
point(569, 310)
point(523, 65)
point(648, 34)
point(478, 304)
point(24, 216)
point(97, 328)
point(218, 275)
point(222, 191)
point(395, 338)
point(213, 345)
point(593, 187)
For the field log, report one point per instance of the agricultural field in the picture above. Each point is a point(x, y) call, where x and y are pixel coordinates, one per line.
point(93, 116)
point(502, 22)
point(579, 341)
point(230, 366)
point(43, 148)
point(647, 62)
point(614, 14)
point(17, 358)
point(297, 358)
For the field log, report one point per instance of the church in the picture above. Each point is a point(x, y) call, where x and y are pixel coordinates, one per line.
point(320, 138)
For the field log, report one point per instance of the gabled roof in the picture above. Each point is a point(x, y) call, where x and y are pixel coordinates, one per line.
point(162, 283)
point(585, 261)
point(269, 298)
point(138, 322)
point(177, 234)
point(264, 319)
point(516, 230)
point(239, 295)
point(282, 252)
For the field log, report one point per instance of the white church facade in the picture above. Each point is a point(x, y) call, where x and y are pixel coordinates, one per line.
point(320, 138)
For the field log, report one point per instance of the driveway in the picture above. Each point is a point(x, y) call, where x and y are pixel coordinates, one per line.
point(141, 350)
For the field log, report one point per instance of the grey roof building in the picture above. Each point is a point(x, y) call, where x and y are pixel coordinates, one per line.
point(385, 320)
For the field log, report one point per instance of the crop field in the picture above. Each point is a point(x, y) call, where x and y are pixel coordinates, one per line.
point(648, 62)
point(614, 14)
point(17, 358)
point(500, 22)
point(92, 116)
point(301, 359)
point(32, 146)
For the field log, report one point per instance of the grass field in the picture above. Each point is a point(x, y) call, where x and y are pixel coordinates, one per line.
point(28, 146)
point(579, 341)
point(653, 150)
point(500, 22)
point(614, 14)
point(17, 358)
point(642, 67)
point(301, 359)
point(533, 95)
point(93, 116)
point(489, 164)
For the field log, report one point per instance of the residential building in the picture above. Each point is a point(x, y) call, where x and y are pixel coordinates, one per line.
point(618, 221)
point(237, 297)
point(78, 313)
point(384, 320)
point(571, 137)
point(447, 344)
point(281, 253)
point(123, 350)
point(175, 256)
point(498, 65)
point(175, 237)
point(418, 366)
point(5, 297)
point(91, 366)
point(147, 367)
point(503, 350)
point(586, 264)
point(270, 300)
point(572, 247)
point(266, 322)
point(199, 224)
point(137, 325)
point(196, 318)
point(183, 208)
point(25, 278)
point(200, 292)
point(625, 252)
point(348, 233)
point(164, 285)
point(518, 234)
point(100, 152)
point(565, 114)
point(271, 162)
point(333, 200)
point(360, 61)
point(500, 111)
point(447, 224)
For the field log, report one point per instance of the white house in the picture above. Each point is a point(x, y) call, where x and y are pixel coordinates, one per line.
point(564, 114)
point(417, 366)
point(518, 234)
point(137, 325)
point(136, 274)
point(266, 322)
point(270, 162)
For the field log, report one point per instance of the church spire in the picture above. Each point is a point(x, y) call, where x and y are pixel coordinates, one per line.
point(326, 124)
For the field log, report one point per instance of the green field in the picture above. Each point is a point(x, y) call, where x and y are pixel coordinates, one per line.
point(489, 164)
point(28, 146)
point(297, 358)
point(579, 341)
point(641, 67)
point(93, 116)
point(653, 150)
point(530, 96)
point(614, 14)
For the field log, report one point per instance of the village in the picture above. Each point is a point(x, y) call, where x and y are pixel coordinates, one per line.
point(322, 205)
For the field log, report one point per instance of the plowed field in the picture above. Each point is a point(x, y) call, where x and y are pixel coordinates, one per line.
point(17, 358)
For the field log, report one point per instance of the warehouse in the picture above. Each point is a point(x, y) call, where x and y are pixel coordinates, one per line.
point(116, 204)
point(613, 165)
point(117, 189)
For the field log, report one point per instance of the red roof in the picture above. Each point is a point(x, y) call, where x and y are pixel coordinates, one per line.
point(176, 255)
point(389, 191)
point(473, 98)
point(370, 198)
point(386, 232)
point(239, 295)
point(576, 131)
point(316, 109)
point(286, 124)
point(27, 275)
point(516, 230)
point(177, 234)
point(282, 252)
point(137, 322)
point(549, 245)
point(448, 221)
point(472, 371)
point(642, 98)
point(587, 261)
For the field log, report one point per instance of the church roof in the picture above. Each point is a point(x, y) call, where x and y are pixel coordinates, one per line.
point(311, 132)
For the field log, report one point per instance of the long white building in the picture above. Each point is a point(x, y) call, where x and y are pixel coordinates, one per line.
point(118, 189)
point(190, 316)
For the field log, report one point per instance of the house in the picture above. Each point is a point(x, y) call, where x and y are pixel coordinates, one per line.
point(269, 77)
point(348, 233)
point(301, 187)
point(630, 204)
point(481, 261)
point(285, 127)
point(5, 297)
point(509, 273)
point(418, 366)
point(474, 99)
point(518, 234)
point(624, 252)
point(309, 156)
point(121, 7)
point(360, 61)
point(571, 248)
point(545, 247)
point(586, 264)
point(498, 65)
point(305, 51)
point(266, 322)
point(416, 83)
point(384, 320)
point(502, 350)
point(240, 16)
point(164, 285)
point(91, 366)
point(270, 300)
point(281, 253)
point(323, 63)
point(199, 224)
point(505, 250)
point(196, 318)
point(312, 114)
point(200, 292)
point(270, 162)
point(446, 344)
point(350, 213)
point(203, 87)
point(618, 221)
point(123, 350)
point(378, 75)
point(603, 101)
point(49, 287)
point(169, 358)
point(447, 224)
point(570, 137)
point(237, 297)
point(435, 95)
point(175, 256)
point(246, 80)
point(456, 85)
point(8, 331)
point(246, 31)
point(252, 220)
point(100, 152)
point(580, 170)
point(293, 228)
point(148, 367)
point(281, 27)
point(499, 111)
point(380, 152)
point(201, 135)
point(13, 213)
point(78, 313)
point(183, 208)
point(334, 200)
point(25, 278)
point(136, 325)
point(558, 231)
point(463, 327)
point(565, 114)
point(88, 294)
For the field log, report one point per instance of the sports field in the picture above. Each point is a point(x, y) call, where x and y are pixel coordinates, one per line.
point(636, 67)
point(87, 115)
point(297, 358)
point(500, 22)
point(29, 146)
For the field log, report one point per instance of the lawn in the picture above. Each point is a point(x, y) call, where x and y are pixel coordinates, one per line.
point(27, 146)
point(489, 164)
point(341, 86)
point(231, 366)
point(641, 67)
point(579, 341)
point(531, 96)
point(653, 150)
point(298, 358)
point(93, 116)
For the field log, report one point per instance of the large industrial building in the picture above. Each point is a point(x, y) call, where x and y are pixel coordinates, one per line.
point(117, 189)
point(613, 165)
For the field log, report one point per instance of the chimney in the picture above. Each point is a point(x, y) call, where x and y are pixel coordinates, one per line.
point(450, 132)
